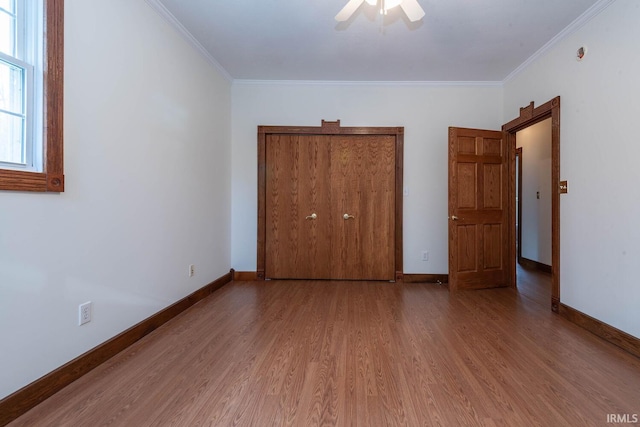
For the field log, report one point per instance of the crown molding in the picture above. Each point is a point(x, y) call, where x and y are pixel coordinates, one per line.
point(248, 82)
point(173, 21)
point(578, 23)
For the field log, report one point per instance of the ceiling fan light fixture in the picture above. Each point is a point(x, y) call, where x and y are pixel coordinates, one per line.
point(390, 4)
point(385, 5)
point(410, 7)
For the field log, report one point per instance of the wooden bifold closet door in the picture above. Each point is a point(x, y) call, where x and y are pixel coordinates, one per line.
point(298, 207)
point(363, 187)
point(330, 206)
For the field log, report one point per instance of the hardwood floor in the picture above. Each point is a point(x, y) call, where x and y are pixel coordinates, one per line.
point(534, 284)
point(355, 353)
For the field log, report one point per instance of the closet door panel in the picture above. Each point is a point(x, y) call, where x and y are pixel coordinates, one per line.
point(363, 215)
point(298, 228)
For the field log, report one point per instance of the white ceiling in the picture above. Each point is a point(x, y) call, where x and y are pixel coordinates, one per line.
point(457, 40)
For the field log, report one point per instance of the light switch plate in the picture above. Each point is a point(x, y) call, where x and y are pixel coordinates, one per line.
point(564, 189)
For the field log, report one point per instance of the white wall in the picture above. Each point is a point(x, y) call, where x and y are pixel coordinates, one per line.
point(535, 142)
point(600, 236)
point(425, 111)
point(147, 152)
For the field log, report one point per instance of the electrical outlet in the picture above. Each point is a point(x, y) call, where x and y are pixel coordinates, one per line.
point(84, 313)
point(425, 256)
point(192, 270)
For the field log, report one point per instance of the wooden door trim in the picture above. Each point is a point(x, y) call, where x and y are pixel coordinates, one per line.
point(519, 202)
point(328, 128)
point(530, 116)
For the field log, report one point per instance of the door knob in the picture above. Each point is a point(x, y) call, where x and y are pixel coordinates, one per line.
point(312, 216)
point(347, 216)
point(454, 218)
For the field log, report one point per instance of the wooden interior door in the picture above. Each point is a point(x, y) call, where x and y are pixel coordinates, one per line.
point(478, 209)
point(363, 207)
point(298, 215)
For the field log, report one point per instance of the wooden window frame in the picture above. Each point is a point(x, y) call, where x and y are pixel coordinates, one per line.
point(51, 179)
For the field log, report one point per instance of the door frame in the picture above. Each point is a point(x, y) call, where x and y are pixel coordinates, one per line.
point(531, 115)
point(329, 128)
point(519, 205)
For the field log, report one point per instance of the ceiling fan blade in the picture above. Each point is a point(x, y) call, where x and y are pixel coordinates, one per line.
point(348, 10)
point(412, 9)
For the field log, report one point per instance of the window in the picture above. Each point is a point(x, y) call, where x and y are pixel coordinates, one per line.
point(21, 74)
point(31, 82)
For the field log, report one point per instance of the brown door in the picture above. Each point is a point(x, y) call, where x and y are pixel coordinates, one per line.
point(298, 244)
point(478, 210)
point(330, 207)
point(363, 207)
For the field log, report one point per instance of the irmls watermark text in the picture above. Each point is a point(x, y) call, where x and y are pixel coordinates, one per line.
point(623, 418)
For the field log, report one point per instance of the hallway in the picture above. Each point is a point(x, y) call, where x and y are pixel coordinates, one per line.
point(534, 285)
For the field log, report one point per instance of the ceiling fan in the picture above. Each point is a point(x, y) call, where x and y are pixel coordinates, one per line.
point(410, 7)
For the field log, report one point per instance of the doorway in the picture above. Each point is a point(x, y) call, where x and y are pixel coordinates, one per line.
point(482, 224)
point(529, 117)
point(533, 211)
point(533, 196)
point(518, 166)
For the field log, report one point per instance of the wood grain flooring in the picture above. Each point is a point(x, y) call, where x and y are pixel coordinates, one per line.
point(534, 284)
point(318, 353)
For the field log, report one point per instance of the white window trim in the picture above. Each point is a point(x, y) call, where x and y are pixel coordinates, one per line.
point(26, 114)
point(29, 51)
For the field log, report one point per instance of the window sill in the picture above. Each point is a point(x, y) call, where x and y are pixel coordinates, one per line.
point(31, 181)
